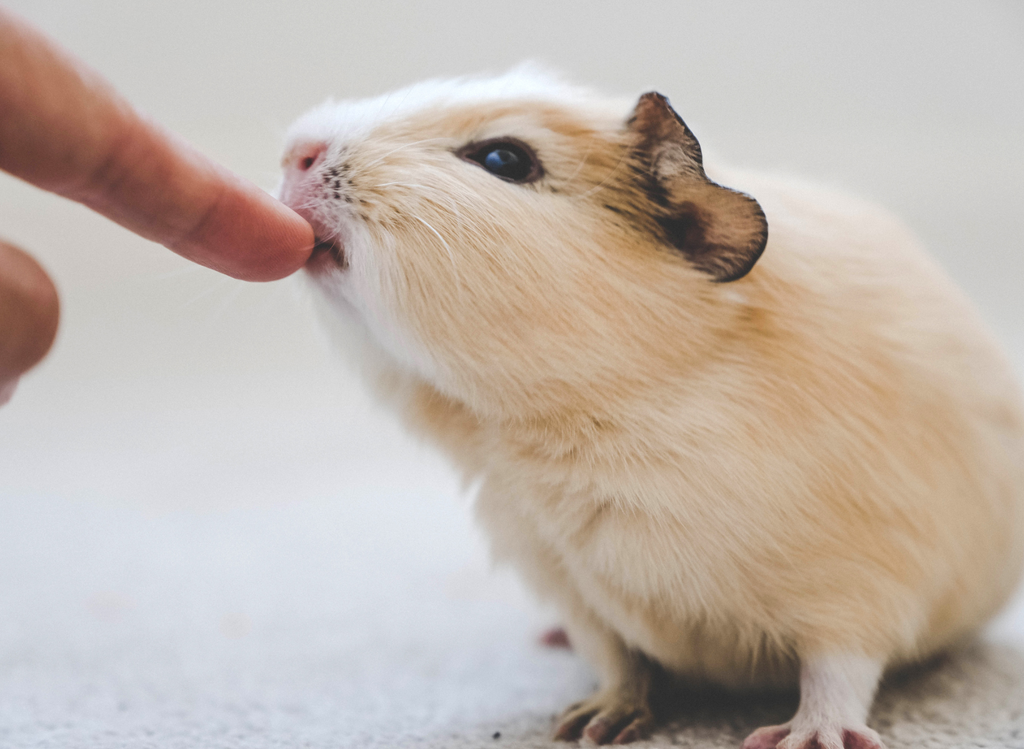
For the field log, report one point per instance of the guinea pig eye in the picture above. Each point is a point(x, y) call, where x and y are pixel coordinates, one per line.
point(506, 159)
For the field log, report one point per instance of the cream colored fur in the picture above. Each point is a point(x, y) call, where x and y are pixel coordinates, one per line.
point(728, 479)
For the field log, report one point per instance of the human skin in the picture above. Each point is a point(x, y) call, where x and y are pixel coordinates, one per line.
point(64, 129)
point(29, 310)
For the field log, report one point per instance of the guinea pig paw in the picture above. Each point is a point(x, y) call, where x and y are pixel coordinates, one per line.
point(767, 737)
point(613, 717)
point(831, 737)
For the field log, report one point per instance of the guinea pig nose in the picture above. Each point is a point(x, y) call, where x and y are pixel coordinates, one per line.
point(300, 178)
point(305, 156)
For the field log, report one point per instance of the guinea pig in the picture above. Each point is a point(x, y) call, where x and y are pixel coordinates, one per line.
point(735, 428)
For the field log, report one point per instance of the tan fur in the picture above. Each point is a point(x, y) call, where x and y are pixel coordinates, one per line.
point(825, 455)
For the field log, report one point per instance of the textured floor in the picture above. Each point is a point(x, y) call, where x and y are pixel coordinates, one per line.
point(179, 568)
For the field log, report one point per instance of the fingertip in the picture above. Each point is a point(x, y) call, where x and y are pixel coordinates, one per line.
point(249, 235)
point(285, 245)
point(29, 312)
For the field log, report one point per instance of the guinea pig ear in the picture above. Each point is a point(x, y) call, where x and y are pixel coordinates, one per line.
point(721, 231)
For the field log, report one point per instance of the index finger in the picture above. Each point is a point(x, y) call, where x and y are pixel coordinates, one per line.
point(63, 128)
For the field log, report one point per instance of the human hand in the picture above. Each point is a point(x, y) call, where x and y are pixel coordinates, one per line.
point(64, 129)
point(29, 310)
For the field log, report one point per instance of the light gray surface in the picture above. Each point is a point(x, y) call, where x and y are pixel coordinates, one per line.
point(225, 577)
point(220, 576)
point(209, 538)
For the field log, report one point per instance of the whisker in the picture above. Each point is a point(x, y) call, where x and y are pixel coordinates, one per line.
point(448, 202)
point(307, 203)
point(396, 150)
point(405, 98)
point(217, 284)
point(608, 176)
point(383, 105)
point(226, 301)
point(471, 229)
point(435, 195)
point(405, 184)
point(451, 255)
point(578, 168)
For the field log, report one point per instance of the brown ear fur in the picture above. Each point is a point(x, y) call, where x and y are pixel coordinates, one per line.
point(721, 231)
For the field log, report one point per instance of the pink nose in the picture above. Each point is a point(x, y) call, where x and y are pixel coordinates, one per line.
point(299, 169)
point(305, 156)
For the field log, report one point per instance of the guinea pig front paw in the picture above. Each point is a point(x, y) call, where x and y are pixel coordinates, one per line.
point(811, 737)
point(608, 717)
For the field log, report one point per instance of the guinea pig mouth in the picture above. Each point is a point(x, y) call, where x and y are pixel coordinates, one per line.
point(327, 254)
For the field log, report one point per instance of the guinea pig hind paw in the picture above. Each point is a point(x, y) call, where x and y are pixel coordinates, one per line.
point(767, 737)
point(606, 718)
point(782, 737)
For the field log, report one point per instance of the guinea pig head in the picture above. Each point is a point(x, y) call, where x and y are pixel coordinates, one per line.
point(520, 244)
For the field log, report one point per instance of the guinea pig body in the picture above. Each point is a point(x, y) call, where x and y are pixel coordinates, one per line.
point(806, 466)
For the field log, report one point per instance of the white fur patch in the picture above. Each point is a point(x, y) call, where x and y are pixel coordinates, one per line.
point(347, 120)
